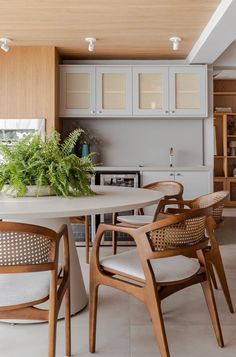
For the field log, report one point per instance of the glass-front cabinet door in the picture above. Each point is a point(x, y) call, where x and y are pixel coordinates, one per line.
point(114, 91)
point(150, 85)
point(188, 91)
point(77, 96)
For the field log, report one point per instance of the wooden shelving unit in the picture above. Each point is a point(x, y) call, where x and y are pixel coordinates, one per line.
point(224, 162)
point(225, 132)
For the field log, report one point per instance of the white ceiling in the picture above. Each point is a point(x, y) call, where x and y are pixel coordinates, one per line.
point(217, 36)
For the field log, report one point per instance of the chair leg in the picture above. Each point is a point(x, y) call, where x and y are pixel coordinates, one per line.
point(114, 234)
point(210, 299)
point(154, 308)
point(212, 275)
point(68, 322)
point(114, 242)
point(218, 264)
point(93, 302)
point(87, 238)
point(211, 304)
point(52, 325)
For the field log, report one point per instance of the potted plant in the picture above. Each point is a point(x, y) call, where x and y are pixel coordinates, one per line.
point(34, 167)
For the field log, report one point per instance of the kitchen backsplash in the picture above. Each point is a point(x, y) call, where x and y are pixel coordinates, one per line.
point(143, 141)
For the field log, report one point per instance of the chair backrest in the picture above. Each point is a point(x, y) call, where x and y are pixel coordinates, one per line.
point(170, 189)
point(27, 247)
point(176, 232)
point(215, 200)
point(184, 233)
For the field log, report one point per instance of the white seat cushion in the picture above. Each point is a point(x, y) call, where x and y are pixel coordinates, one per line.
point(166, 270)
point(22, 288)
point(139, 220)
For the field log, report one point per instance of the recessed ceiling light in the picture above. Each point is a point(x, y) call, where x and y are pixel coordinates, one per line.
point(91, 42)
point(4, 44)
point(175, 42)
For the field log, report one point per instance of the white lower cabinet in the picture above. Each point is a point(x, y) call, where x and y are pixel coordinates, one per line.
point(196, 183)
point(153, 176)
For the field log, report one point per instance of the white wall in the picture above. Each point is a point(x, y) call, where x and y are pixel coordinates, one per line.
point(145, 141)
point(228, 57)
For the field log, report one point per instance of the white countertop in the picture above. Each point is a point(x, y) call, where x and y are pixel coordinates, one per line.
point(152, 168)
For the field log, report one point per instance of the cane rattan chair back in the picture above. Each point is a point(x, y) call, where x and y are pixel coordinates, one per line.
point(26, 247)
point(182, 234)
point(215, 200)
point(29, 256)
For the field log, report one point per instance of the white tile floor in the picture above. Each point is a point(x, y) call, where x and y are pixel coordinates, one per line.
point(124, 327)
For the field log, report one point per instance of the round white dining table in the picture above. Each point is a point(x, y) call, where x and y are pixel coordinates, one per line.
point(53, 211)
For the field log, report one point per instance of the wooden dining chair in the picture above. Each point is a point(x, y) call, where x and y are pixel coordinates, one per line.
point(29, 276)
point(160, 266)
point(215, 201)
point(171, 190)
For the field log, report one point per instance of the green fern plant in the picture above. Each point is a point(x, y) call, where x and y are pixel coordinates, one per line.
point(31, 161)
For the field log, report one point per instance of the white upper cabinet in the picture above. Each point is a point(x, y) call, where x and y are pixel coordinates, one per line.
point(77, 95)
point(114, 91)
point(150, 91)
point(188, 91)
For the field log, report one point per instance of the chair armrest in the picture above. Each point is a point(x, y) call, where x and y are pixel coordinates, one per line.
point(63, 230)
point(177, 202)
point(176, 210)
point(165, 202)
point(103, 227)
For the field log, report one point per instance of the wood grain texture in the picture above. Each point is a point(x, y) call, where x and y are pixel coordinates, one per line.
point(133, 29)
point(28, 84)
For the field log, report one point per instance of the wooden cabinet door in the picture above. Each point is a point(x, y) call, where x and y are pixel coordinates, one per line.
point(77, 91)
point(188, 91)
point(150, 91)
point(114, 91)
point(196, 183)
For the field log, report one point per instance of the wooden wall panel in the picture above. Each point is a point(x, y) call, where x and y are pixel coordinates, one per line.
point(28, 85)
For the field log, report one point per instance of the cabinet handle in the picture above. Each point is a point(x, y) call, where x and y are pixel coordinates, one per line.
point(178, 174)
point(92, 112)
point(167, 111)
point(173, 111)
point(99, 112)
point(172, 174)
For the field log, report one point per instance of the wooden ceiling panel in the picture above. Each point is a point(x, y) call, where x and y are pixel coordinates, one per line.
point(124, 28)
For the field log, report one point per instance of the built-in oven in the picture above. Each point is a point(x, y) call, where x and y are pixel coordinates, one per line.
point(114, 178)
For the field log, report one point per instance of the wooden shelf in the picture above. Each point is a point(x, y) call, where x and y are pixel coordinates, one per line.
point(224, 113)
point(219, 157)
point(231, 136)
point(231, 157)
point(224, 93)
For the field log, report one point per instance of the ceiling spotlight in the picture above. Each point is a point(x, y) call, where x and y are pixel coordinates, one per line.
point(91, 42)
point(4, 43)
point(175, 42)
